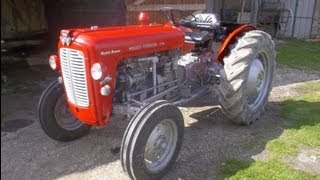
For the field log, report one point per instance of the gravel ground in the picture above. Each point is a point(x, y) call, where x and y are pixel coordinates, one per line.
point(209, 139)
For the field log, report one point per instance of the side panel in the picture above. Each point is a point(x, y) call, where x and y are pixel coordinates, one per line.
point(109, 55)
point(224, 49)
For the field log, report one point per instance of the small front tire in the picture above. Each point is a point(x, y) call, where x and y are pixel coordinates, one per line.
point(152, 141)
point(55, 117)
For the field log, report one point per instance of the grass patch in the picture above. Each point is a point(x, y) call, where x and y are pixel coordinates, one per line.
point(303, 113)
point(303, 130)
point(232, 166)
point(309, 87)
point(272, 169)
point(303, 110)
point(299, 54)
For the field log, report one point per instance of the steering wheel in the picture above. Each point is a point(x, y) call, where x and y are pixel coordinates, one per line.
point(164, 11)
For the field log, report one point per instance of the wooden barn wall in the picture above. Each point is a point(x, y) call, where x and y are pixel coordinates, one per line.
point(303, 11)
point(155, 16)
point(63, 14)
point(21, 19)
point(315, 31)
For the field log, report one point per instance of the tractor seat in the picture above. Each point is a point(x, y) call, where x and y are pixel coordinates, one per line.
point(197, 37)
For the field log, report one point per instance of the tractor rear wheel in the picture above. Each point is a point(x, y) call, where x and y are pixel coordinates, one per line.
point(247, 77)
point(152, 141)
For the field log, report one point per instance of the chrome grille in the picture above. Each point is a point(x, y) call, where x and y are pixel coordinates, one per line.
point(74, 76)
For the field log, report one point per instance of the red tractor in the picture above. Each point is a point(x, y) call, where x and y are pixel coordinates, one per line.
point(145, 72)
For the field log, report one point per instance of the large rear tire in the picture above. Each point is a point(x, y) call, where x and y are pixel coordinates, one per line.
point(247, 77)
point(55, 117)
point(152, 141)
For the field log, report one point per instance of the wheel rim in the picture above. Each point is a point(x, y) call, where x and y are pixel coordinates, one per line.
point(258, 79)
point(64, 117)
point(161, 145)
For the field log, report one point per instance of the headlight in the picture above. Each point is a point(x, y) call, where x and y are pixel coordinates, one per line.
point(54, 62)
point(96, 71)
point(105, 90)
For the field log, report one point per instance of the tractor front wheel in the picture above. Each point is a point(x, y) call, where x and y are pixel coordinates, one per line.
point(247, 77)
point(55, 117)
point(152, 141)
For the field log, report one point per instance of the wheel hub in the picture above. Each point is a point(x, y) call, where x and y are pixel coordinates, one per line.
point(256, 80)
point(64, 117)
point(161, 145)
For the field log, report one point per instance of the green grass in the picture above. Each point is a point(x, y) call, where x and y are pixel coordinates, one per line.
point(309, 87)
point(303, 113)
point(272, 169)
point(232, 166)
point(302, 116)
point(299, 54)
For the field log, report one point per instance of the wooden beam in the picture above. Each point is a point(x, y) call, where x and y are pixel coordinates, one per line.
point(217, 6)
point(137, 2)
point(254, 12)
point(209, 6)
point(157, 7)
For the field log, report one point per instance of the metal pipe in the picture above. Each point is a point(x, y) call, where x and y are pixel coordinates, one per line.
point(154, 76)
point(154, 60)
point(146, 90)
point(135, 101)
point(153, 98)
point(194, 95)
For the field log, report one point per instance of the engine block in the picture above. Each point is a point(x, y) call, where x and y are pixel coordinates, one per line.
point(142, 73)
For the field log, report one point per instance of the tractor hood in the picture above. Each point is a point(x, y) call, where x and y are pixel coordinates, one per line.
point(128, 40)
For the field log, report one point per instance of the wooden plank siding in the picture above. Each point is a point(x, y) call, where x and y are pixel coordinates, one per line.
point(315, 30)
point(304, 13)
point(158, 7)
point(134, 7)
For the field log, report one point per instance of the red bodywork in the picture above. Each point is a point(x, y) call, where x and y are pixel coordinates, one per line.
point(108, 46)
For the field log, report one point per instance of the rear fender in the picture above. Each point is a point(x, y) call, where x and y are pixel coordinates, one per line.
point(232, 37)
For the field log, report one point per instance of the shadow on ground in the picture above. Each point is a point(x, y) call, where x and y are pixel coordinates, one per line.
point(210, 139)
point(212, 142)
